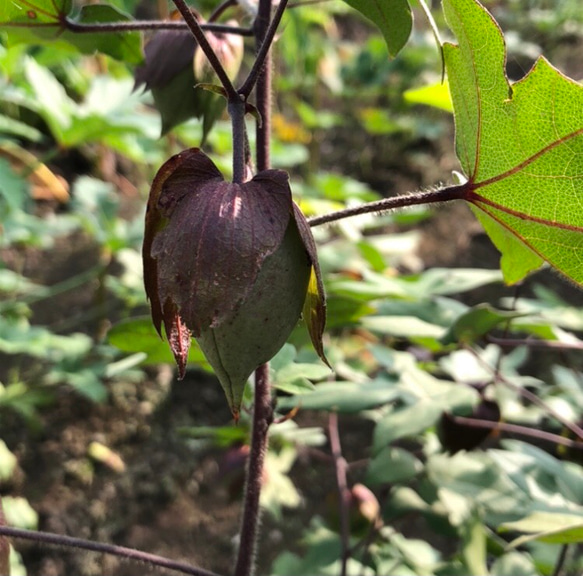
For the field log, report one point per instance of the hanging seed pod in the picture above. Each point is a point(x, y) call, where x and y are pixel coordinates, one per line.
point(231, 264)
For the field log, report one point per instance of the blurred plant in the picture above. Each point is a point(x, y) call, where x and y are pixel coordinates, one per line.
point(426, 372)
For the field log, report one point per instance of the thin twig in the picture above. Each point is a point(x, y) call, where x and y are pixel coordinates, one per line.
point(214, 61)
point(112, 549)
point(137, 26)
point(262, 418)
point(534, 343)
point(220, 9)
point(533, 398)
point(263, 51)
point(4, 546)
point(431, 197)
point(561, 558)
point(505, 333)
point(517, 429)
point(343, 492)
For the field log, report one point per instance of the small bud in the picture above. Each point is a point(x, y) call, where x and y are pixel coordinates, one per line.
point(229, 50)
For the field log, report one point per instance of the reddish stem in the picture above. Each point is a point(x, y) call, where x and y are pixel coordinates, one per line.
point(341, 467)
point(434, 196)
point(92, 546)
point(262, 419)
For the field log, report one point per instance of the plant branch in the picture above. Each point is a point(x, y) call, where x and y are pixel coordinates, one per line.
point(261, 60)
point(204, 45)
point(112, 549)
point(221, 8)
point(263, 90)
point(343, 493)
point(533, 398)
point(140, 25)
point(262, 419)
point(237, 114)
point(4, 546)
point(434, 196)
point(517, 429)
point(561, 559)
point(533, 343)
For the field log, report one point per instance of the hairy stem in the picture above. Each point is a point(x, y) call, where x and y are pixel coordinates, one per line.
point(434, 196)
point(264, 36)
point(262, 418)
point(263, 411)
point(92, 546)
point(263, 90)
point(340, 467)
point(204, 45)
point(236, 109)
point(141, 25)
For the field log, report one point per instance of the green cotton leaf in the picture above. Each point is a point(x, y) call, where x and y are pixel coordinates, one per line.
point(477, 322)
point(393, 465)
point(344, 397)
point(123, 46)
point(474, 546)
point(436, 95)
point(43, 21)
point(405, 422)
point(520, 147)
point(392, 17)
point(550, 527)
point(33, 14)
point(8, 462)
point(19, 513)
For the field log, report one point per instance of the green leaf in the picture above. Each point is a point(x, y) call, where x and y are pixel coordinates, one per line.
point(123, 46)
point(42, 21)
point(393, 18)
point(520, 146)
point(436, 95)
point(344, 397)
point(513, 564)
point(7, 462)
point(393, 465)
point(33, 14)
point(19, 513)
point(405, 422)
point(476, 322)
point(551, 527)
point(402, 327)
point(474, 547)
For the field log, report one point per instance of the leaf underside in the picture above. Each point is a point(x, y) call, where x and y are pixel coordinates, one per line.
point(520, 145)
point(392, 17)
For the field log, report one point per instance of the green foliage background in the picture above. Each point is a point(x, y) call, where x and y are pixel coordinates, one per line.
point(408, 342)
